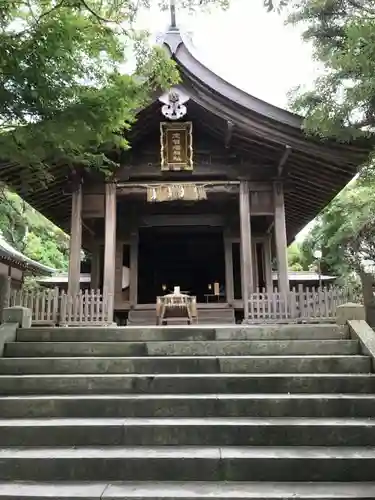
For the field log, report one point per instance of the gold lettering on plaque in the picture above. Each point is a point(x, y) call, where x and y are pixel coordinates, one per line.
point(176, 145)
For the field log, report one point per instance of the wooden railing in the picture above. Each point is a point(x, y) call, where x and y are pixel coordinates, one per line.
point(91, 307)
point(56, 307)
point(304, 305)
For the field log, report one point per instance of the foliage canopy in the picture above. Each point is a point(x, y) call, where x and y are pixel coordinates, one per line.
point(341, 105)
point(63, 93)
point(342, 102)
point(344, 231)
point(31, 233)
point(65, 98)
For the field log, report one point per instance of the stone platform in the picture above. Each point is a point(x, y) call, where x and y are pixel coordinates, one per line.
point(269, 412)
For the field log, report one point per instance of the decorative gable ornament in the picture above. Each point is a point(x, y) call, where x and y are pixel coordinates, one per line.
point(174, 104)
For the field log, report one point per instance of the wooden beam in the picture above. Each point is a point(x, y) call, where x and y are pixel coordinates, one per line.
point(316, 178)
point(179, 220)
point(124, 188)
point(284, 159)
point(228, 134)
point(56, 184)
point(48, 193)
point(305, 180)
point(75, 241)
point(110, 244)
point(309, 170)
point(88, 228)
point(151, 171)
point(246, 248)
point(308, 198)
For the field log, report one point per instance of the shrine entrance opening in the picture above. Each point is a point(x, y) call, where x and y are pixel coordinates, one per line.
point(191, 258)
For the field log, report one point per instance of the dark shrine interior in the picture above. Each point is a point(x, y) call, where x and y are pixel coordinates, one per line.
point(189, 257)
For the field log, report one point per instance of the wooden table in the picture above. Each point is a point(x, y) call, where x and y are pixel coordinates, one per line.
point(176, 306)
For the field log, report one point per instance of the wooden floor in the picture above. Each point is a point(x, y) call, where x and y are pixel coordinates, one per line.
point(207, 314)
point(126, 306)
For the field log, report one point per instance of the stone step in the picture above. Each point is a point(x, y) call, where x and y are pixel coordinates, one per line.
point(182, 348)
point(207, 490)
point(196, 463)
point(187, 432)
point(190, 364)
point(205, 405)
point(268, 332)
point(186, 384)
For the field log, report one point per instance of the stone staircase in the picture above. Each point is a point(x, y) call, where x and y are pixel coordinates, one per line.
point(186, 413)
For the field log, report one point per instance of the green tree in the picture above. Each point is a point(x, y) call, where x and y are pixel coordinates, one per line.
point(341, 103)
point(13, 225)
point(46, 250)
point(31, 233)
point(63, 96)
point(341, 106)
point(298, 259)
point(345, 233)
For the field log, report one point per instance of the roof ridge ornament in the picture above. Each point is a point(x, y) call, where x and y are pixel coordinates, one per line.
point(172, 38)
point(172, 8)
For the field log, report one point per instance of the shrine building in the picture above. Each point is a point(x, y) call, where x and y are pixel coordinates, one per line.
point(215, 186)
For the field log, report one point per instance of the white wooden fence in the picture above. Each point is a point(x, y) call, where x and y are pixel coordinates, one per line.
point(302, 305)
point(56, 307)
point(92, 307)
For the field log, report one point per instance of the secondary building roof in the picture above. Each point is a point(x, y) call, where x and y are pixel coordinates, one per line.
point(85, 278)
point(62, 279)
point(301, 276)
point(11, 256)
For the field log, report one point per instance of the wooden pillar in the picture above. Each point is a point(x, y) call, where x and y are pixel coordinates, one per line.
point(95, 267)
point(110, 244)
point(119, 266)
point(280, 238)
point(267, 252)
point(228, 253)
point(133, 278)
point(268, 263)
point(74, 273)
point(5, 289)
point(246, 247)
point(255, 266)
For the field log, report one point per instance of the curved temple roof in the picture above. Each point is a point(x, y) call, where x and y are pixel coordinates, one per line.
point(181, 50)
point(272, 139)
point(314, 171)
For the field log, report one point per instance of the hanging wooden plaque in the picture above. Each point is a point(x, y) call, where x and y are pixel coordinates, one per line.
point(176, 146)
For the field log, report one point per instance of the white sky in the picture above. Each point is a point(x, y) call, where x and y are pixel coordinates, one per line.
point(247, 46)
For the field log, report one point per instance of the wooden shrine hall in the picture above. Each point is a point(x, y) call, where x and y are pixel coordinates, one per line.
point(215, 186)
